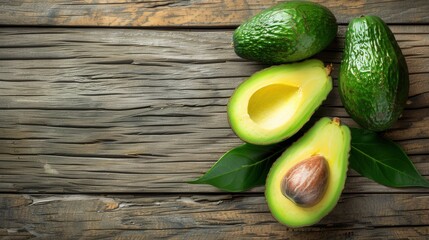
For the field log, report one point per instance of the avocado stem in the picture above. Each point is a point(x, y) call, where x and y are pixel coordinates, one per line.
point(329, 69)
point(336, 121)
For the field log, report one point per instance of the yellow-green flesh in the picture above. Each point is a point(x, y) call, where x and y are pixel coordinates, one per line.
point(275, 103)
point(325, 138)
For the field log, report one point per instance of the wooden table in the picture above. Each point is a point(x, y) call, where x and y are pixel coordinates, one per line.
point(108, 107)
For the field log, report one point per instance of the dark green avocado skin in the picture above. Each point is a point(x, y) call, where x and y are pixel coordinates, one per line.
point(286, 32)
point(373, 81)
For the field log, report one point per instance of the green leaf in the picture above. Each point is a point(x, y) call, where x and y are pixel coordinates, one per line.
point(382, 161)
point(242, 168)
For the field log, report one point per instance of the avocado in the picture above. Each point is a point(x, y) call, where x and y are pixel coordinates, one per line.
point(286, 32)
point(276, 102)
point(306, 181)
point(373, 81)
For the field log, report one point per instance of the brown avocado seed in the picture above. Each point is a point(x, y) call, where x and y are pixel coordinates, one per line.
point(306, 182)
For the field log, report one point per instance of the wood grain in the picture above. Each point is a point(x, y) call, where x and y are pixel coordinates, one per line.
point(110, 123)
point(400, 216)
point(185, 13)
point(125, 110)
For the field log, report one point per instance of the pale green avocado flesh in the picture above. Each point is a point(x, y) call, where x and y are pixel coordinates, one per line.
point(274, 103)
point(327, 138)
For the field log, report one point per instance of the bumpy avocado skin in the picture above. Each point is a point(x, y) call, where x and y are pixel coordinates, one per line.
point(373, 81)
point(286, 32)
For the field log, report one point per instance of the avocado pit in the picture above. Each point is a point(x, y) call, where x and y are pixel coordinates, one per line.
point(306, 182)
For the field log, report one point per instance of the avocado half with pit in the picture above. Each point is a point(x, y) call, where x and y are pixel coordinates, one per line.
point(306, 181)
point(274, 103)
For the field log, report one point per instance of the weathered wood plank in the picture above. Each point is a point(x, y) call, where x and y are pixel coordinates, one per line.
point(181, 13)
point(362, 216)
point(122, 110)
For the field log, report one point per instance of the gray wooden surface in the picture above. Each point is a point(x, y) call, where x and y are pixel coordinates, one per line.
point(186, 13)
point(220, 216)
point(100, 128)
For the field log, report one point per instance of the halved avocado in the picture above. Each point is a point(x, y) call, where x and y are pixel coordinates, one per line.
point(326, 145)
point(273, 104)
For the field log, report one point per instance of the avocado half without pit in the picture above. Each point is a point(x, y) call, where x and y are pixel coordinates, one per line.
point(274, 103)
point(306, 181)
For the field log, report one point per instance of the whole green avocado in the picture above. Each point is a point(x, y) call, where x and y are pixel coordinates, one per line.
point(286, 32)
point(373, 81)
